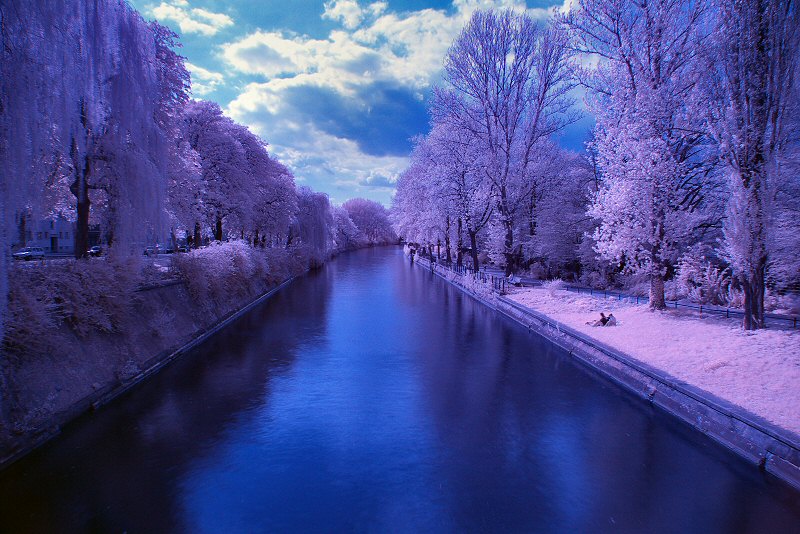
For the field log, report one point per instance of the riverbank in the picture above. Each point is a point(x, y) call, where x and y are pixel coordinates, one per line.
point(47, 391)
point(758, 371)
point(82, 333)
point(773, 448)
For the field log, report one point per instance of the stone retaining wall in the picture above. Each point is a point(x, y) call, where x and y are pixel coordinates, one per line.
point(773, 449)
point(46, 392)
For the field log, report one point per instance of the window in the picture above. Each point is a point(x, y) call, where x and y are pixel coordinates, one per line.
point(38, 235)
point(61, 235)
point(51, 225)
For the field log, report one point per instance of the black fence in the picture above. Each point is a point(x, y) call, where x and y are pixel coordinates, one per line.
point(498, 283)
point(501, 284)
point(774, 318)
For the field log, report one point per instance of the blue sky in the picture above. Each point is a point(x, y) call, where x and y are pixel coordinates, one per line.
point(337, 88)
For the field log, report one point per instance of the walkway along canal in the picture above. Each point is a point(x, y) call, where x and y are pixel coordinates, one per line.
point(371, 395)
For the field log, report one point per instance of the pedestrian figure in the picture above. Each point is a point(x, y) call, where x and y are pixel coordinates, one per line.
point(600, 322)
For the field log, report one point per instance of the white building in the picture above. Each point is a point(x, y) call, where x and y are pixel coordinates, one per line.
point(55, 236)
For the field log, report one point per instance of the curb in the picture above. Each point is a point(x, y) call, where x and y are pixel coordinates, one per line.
point(104, 395)
point(771, 448)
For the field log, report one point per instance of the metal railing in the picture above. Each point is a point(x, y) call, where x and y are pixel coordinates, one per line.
point(782, 320)
point(501, 283)
point(498, 283)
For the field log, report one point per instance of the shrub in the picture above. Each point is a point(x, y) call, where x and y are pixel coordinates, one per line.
point(222, 274)
point(87, 296)
point(703, 282)
point(787, 303)
point(553, 286)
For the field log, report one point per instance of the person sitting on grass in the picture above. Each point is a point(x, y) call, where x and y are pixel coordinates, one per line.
point(611, 320)
point(600, 322)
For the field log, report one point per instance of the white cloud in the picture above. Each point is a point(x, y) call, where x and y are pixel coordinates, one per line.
point(373, 44)
point(204, 81)
point(334, 62)
point(347, 11)
point(191, 20)
point(317, 158)
point(376, 8)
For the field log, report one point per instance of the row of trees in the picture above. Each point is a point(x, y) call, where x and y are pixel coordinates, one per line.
point(694, 153)
point(97, 124)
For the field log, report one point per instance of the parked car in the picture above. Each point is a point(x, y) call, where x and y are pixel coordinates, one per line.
point(29, 253)
point(151, 251)
point(95, 251)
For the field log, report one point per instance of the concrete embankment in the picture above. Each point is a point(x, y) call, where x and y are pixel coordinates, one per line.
point(773, 449)
point(47, 391)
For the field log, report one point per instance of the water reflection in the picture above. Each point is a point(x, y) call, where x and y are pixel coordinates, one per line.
point(371, 396)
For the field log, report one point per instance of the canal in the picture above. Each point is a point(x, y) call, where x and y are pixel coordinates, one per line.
point(372, 396)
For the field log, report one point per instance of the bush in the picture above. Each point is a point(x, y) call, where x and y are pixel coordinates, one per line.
point(673, 290)
point(788, 303)
point(86, 295)
point(703, 282)
point(222, 274)
point(553, 286)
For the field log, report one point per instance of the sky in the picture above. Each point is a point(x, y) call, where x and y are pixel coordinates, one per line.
point(338, 88)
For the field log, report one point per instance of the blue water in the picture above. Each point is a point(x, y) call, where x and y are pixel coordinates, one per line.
point(370, 396)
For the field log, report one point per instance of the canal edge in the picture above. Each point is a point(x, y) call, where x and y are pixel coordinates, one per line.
point(105, 395)
point(767, 446)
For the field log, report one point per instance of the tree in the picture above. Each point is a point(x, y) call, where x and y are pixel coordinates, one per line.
point(312, 229)
point(754, 66)
point(223, 159)
point(275, 202)
point(454, 157)
point(271, 198)
point(372, 220)
point(347, 235)
point(556, 220)
point(508, 82)
point(416, 209)
point(648, 140)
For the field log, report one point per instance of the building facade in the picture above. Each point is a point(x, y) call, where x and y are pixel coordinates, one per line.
point(55, 236)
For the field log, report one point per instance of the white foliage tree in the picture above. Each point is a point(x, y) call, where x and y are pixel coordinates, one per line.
point(372, 220)
point(754, 68)
point(508, 83)
point(647, 137)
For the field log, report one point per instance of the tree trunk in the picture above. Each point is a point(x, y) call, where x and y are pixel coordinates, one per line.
point(82, 228)
point(439, 249)
point(197, 237)
point(473, 241)
point(22, 229)
point(509, 253)
point(447, 255)
point(754, 287)
point(218, 229)
point(460, 244)
point(80, 189)
point(657, 300)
